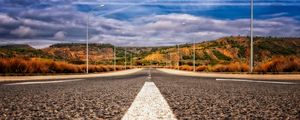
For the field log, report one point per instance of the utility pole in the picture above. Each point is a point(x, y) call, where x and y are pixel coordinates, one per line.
point(194, 57)
point(251, 34)
point(87, 44)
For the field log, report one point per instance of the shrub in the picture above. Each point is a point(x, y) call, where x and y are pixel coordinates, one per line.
point(4, 65)
point(35, 65)
point(280, 64)
point(232, 67)
point(201, 68)
point(186, 67)
point(221, 56)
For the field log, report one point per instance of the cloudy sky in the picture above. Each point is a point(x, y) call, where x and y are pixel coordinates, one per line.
point(41, 23)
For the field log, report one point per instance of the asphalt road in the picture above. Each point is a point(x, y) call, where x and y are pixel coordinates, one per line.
point(94, 98)
point(188, 98)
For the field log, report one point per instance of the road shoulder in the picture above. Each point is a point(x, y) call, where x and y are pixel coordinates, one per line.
point(55, 77)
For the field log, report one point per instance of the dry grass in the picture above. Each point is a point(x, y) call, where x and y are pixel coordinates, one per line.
point(275, 65)
point(201, 68)
point(280, 64)
point(186, 67)
point(190, 68)
point(42, 66)
point(232, 67)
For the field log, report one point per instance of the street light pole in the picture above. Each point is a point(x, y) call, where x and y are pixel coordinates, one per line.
point(194, 57)
point(131, 58)
point(170, 59)
point(114, 58)
point(87, 44)
point(251, 34)
point(87, 41)
point(167, 60)
point(178, 57)
point(125, 58)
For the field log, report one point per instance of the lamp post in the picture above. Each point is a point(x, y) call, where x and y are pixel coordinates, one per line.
point(167, 60)
point(170, 59)
point(131, 60)
point(125, 58)
point(87, 40)
point(178, 57)
point(251, 34)
point(87, 44)
point(194, 56)
point(114, 58)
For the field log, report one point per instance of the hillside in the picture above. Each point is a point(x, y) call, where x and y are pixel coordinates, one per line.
point(23, 51)
point(229, 50)
point(76, 53)
point(221, 51)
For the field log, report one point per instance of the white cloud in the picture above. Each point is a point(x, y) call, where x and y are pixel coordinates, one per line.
point(5, 19)
point(276, 14)
point(60, 35)
point(23, 31)
point(169, 29)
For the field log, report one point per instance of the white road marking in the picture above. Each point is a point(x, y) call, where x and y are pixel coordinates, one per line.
point(43, 82)
point(149, 104)
point(243, 80)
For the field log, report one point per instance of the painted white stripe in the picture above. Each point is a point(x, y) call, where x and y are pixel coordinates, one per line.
point(149, 104)
point(43, 82)
point(243, 80)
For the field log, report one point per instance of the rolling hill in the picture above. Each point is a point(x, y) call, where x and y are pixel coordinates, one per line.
point(223, 51)
point(230, 49)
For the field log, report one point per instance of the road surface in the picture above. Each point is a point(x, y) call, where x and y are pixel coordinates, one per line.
point(156, 96)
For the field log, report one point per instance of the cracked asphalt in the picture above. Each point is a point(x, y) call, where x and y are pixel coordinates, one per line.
point(188, 97)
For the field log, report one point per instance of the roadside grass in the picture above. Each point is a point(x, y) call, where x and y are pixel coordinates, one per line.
point(11, 66)
point(186, 67)
point(201, 68)
point(280, 64)
point(232, 67)
point(33, 66)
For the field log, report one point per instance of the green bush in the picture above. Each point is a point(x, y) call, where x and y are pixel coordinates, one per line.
point(221, 56)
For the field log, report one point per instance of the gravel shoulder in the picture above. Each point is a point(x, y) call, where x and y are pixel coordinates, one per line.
point(93, 98)
point(55, 77)
point(235, 76)
point(206, 98)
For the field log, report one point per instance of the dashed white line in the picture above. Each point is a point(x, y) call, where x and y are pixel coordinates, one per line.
point(149, 104)
point(243, 80)
point(44, 82)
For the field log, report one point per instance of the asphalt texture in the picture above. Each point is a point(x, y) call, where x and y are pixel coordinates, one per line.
point(206, 98)
point(188, 97)
point(94, 98)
